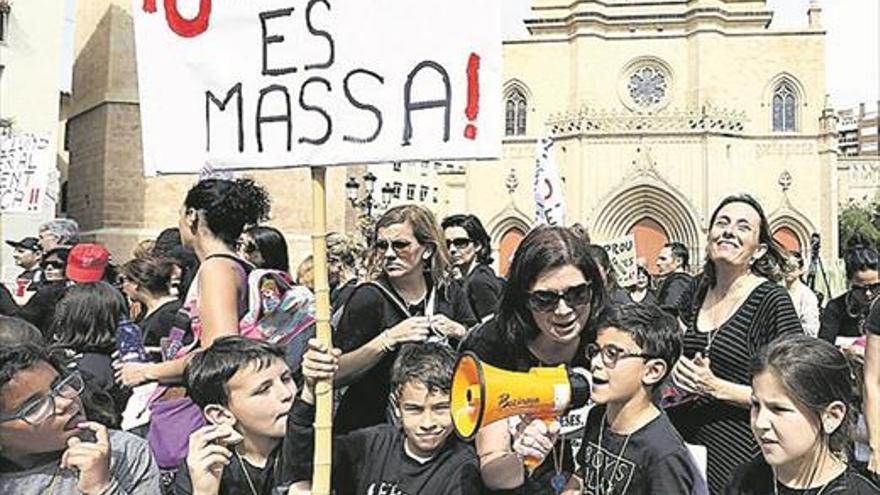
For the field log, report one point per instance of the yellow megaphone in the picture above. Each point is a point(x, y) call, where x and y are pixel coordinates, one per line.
point(483, 394)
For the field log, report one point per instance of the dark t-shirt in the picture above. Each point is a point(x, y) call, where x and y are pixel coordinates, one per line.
point(653, 460)
point(676, 294)
point(8, 307)
point(372, 461)
point(756, 478)
point(40, 308)
point(483, 290)
point(837, 322)
point(233, 480)
point(872, 322)
point(159, 323)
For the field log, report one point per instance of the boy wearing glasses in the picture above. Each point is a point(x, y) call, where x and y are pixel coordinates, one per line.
point(47, 446)
point(630, 447)
point(423, 458)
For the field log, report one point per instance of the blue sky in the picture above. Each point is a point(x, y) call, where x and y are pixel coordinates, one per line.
point(852, 42)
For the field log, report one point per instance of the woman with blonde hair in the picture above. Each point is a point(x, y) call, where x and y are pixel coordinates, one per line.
point(409, 298)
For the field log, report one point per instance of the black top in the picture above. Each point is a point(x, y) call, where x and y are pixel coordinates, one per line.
point(40, 309)
point(97, 372)
point(8, 307)
point(373, 308)
point(618, 296)
point(340, 294)
point(676, 293)
point(233, 480)
point(756, 478)
point(159, 323)
point(872, 322)
point(836, 321)
point(765, 315)
point(655, 460)
point(483, 290)
point(372, 461)
point(491, 344)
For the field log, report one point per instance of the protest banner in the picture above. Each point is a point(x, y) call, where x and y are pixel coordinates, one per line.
point(622, 252)
point(24, 171)
point(549, 195)
point(282, 83)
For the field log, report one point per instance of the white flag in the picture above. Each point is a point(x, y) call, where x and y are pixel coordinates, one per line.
point(549, 198)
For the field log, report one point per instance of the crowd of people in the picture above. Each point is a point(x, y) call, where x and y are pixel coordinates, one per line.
point(730, 379)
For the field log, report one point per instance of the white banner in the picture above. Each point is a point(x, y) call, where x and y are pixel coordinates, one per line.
point(24, 170)
point(622, 252)
point(549, 197)
point(280, 83)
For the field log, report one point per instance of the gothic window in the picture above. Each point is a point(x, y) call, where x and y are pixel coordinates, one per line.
point(515, 106)
point(784, 102)
point(647, 86)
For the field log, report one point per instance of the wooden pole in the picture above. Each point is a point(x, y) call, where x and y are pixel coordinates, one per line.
point(324, 390)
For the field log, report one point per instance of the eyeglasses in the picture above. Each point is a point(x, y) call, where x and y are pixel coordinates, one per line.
point(40, 409)
point(460, 243)
point(611, 354)
point(53, 265)
point(545, 301)
point(399, 245)
point(872, 288)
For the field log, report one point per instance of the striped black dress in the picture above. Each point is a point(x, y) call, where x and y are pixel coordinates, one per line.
point(767, 313)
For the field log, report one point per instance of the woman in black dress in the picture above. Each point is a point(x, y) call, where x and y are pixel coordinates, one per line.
point(546, 317)
point(471, 253)
point(410, 298)
point(844, 316)
point(740, 309)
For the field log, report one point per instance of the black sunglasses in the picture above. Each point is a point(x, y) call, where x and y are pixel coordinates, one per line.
point(398, 246)
point(460, 243)
point(55, 265)
point(872, 288)
point(544, 301)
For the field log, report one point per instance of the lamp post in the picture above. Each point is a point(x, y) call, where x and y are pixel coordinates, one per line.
point(365, 205)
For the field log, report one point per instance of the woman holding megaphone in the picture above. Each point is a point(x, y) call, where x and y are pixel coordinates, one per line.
point(548, 307)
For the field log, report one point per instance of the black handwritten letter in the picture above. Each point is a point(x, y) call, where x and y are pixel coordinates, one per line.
point(210, 98)
point(273, 118)
point(321, 34)
point(363, 106)
point(275, 38)
point(312, 108)
point(410, 106)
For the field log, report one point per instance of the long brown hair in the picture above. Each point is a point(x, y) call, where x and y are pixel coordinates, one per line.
point(426, 231)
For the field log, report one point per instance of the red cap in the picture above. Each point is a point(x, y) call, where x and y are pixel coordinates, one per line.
point(86, 263)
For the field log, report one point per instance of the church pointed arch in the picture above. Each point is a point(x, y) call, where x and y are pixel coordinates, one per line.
point(788, 217)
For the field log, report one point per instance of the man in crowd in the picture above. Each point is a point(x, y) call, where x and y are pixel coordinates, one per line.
point(27, 255)
point(676, 287)
point(58, 232)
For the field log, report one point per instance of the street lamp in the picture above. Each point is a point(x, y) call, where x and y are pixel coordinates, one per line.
point(366, 204)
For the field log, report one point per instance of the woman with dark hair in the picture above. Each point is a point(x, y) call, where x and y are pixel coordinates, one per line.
point(471, 253)
point(40, 309)
point(740, 308)
point(641, 291)
point(409, 298)
point(85, 322)
point(801, 414)
point(616, 295)
point(148, 282)
point(844, 316)
point(264, 247)
point(549, 306)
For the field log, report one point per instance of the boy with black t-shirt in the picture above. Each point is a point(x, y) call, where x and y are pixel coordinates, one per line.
point(422, 459)
point(630, 447)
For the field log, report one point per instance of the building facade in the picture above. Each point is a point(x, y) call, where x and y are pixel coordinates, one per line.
point(859, 130)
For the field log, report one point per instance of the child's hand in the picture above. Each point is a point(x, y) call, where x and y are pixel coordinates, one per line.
point(319, 364)
point(207, 457)
point(91, 460)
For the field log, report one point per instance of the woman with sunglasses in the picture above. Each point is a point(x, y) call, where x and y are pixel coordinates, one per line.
point(50, 445)
point(40, 309)
point(546, 316)
point(265, 247)
point(409, 298)
point(844, 316)
point(468, 244)
point(740, 308)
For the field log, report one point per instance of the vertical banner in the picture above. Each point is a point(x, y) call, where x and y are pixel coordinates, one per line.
point(549, 198)
point(622, 252)
point(25, 160)
point(284, 83)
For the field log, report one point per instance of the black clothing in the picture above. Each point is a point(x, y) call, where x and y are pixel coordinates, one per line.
point(233, 480)
point(836, 321)
point(765, 315)
point(618, 296)
point(40, 309)
point(676, 293)
point(340, 294)
point(98, 376)
point(756, 478)
point(372, 461)
point(872, 322)
point(492, 345)
point(8, 306)
point(655, 461)
point(483, 290)
point(650, 298)
point(157, 325)
point(373, 308)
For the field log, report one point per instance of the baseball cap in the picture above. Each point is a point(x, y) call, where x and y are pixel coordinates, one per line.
point(86, 263)
point(29, 243)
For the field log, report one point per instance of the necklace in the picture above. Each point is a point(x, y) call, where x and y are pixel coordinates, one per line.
point(608, 488)
point(559, 479)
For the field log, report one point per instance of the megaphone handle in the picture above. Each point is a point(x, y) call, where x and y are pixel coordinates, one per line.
point(532, 462)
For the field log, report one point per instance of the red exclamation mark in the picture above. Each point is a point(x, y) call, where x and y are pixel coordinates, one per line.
point(473, 95)
point(149, 6)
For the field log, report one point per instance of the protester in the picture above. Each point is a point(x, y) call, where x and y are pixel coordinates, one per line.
point(636, 347)
point(740, 309)
point(148, 281)
point(85, 323)
point(801, 415)
point(168, 245)
point(641, 292)
point(471, 253)
point(844, 315)
point(47, 444)
point(342, 259)
point(805, 301)
point(305, 273)
point(245, 391)
point(546, 317)
point(58, 232)
point(264, 247)
point(409, 299)
point(616, 295)
point(27, 254)
point(40, 309)
point(15, 331)
point(872, 390)
point(87, 263)
point(421, 456)
point(676, 284)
